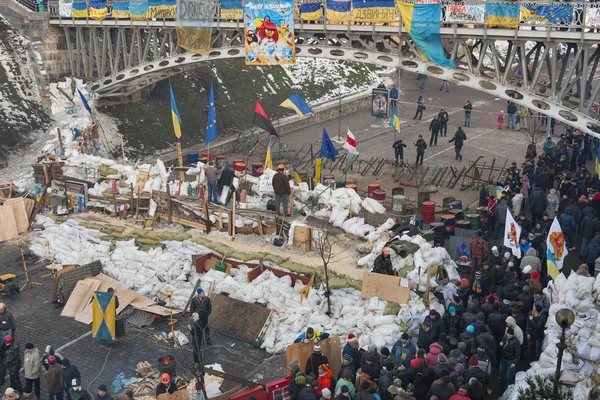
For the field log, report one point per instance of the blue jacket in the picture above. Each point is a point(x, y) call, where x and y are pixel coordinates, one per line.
point(567, 222)
point(354, 353)
point(404, 354)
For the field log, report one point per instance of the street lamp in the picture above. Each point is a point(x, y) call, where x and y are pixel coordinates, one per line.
point(564, 319)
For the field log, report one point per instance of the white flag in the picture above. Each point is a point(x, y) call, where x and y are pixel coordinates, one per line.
point(557, 249)
point(350, 144)
point(512, 233)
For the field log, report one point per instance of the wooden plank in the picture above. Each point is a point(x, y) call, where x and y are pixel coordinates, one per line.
point(330, 348)
point(80, 297)
point(20, 211)
point(8, 223)
point(385, 287)
point(29, 204)
point(260, 227)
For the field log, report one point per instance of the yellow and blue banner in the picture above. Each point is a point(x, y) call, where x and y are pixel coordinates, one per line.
point(555, 14)
point(395, 120)
point(422, 22)
point(232, 9)
point(297, 178)
point(98, 9)
point(598, 159)
point(103, 316)
point(373, 11)
point(268, 160)
point(338, 10)
point(162, 9)
point(79, 9)
point(139, 10)
point(298, 104)
point(175, 114)
point(310, 11)
point(120, 8)
point(194, 24)
point(502, 14)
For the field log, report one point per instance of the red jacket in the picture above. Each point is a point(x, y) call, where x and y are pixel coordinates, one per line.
point(324, 381)
point(460, 396)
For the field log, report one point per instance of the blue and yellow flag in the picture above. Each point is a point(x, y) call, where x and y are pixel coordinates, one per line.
point(139, 10)
point(395, 120)
point(310, 11)
point(374, 11)
point(79, 9)
point(211, 122)
point(175, 114)
point(317, 171)
point(103, 316)
point(547, 14)
point(268, 160)
point(297, 178)
point(120, 8)
point(423, 26)
point(502, 14)
point(98, 9)
point(297, 103)
point(232, 9)
point(338, 10)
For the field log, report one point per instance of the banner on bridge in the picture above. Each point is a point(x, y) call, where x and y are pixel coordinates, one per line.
point(554, 14)
point(194, 24)
point(162, 9)
point(120, 9)
point(373, 11)
point(338, 10)
point(98, 9)
point(267, 43)
point(502, 14)
point(139, 10)
point(310, 11)
point(232, 9)
point(64, 8)
point(465, 14)
point(79, 9)
point(593, 16)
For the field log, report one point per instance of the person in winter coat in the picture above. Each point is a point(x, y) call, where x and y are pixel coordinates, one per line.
point(404, 351)
point(484, 195)
point(344, 393)
point(281, 187)
point(12, 362)
point(588, 229)
point(435, 350)
point(399, 147)
point(49, 351)
point(370, 353)
point(451, 319)
point(457, 357)
point(441, 369)
point(531, 258)
point(500, 119)
point(535, 332)
point(435, 321)
point(475, 371)
point(426, 336)
point(434, 127)
point(315, 360)
point(511, 355)
point(421, 145)
point(592, 252)
point(537, 204)
point(568, 226)
point(526, 185)
point(462, 392)
point(443, 341)
point(511, 290)
point(459, 140)
point(479, 287)
point(420, 107)
point(383, 263)
point(202, 306)
point(468, 317)
point(480, 326)
point(387, 357)
point(32, 368)
point(346, 380)
point(308, 392)
point(54, 379)
point(442, 388)
point(352, 348)
point(7, 323)
point(467, 337)
point(492, 206)
point(553, 202)
point(517, 331)
point(385, 381)
point(475, 389)
point(70, 378)
point(297, 380)
point(325, 378)
point(372, 366)
point(501, 216)
point(479, 251)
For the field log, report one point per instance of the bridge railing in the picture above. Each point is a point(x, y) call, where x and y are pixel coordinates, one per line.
point(581, 15)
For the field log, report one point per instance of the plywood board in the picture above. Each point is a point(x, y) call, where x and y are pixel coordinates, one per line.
point(330, 348)
point(20, 210)
point(29, 204)
point(80, 298)
point(178, 395)
point(237, 319)
point(8, 223)
point(211, 262)
point(389, 288)
point(125, 296)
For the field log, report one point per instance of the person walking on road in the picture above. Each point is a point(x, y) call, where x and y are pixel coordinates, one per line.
point(423, 79)
point(443, 117)
point(394, 96)
point(468, 107)
point(281, 187)
point(511, 110)
point(32, 368)
point(420, 108)
point(500, 119)
point(523, 112)
point(12, 362)
point(399, 146)
point(54, 379)
point(421, 146)
point(212, 176)
point(434, 127)
point(458, 139)
point(446, 85)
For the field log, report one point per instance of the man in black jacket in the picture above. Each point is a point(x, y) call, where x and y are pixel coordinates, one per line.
point(443, 117)
point(426, 336)
point(313, 362)
point(468, 107)
point(458, 139)
point(308, 393)
point(537, 203)
point(281, 187)
point(588, 228)
point(535, 333)
point(434, 127)
point(202, 306)
point(399, 146)
point(511, 354)
point(71, 379)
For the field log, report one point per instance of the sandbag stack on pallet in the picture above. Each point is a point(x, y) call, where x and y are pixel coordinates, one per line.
point(15, 215)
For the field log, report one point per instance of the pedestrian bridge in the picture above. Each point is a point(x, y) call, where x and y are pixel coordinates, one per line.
point(549, 67)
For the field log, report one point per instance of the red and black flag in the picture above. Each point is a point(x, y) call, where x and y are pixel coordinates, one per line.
point(261, 119)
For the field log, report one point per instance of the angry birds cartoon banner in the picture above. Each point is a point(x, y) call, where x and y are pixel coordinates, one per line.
point(269, 32)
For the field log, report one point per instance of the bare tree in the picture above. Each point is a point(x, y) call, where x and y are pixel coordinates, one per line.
point(534, 133)
point(323, 246)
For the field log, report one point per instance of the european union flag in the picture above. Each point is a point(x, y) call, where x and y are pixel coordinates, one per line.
point(211, 124)
point(85, 103)
point(327, 148)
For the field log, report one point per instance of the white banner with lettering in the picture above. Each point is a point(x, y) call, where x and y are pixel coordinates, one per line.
point(466, 14)
point(593, 16)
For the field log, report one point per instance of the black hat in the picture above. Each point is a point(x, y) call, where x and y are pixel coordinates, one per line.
point(345, 389)
point(29, 346)
point(310, 331)
point(405, 336)
point(510, 331)
point(102, 387)
point(27, 389)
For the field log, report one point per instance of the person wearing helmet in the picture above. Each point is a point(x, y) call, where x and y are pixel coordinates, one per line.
point(383, 263)
point(281, 187)
point(166, 385)
point(202, 306)
point(54, 379)
point(7, 322)
point(12, 362)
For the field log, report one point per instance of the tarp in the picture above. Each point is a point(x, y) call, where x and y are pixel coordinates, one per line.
point(98, 9)
point(79, 9)
point(554, 14)
point(465, 13)
point(194, 24)
point(373, 10)
point(502, 14)
point(338, 10)
point(64, 8)
point(423, 26)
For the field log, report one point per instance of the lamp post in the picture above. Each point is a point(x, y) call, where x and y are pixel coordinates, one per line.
point(564, 319)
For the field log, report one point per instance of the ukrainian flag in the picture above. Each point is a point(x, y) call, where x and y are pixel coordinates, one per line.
point(80, 9)
point(297, 178)
point(232, 9)
point(422, 24)
point(139, 10)
point(502, 14)
point(175, 114)
point(297, 103)
point(268, 160)
point(338, 10)
point(395, 120)
point(120, 9)
point(310, 11)
point(98, 9)
point(373, 10)
point(551, 264)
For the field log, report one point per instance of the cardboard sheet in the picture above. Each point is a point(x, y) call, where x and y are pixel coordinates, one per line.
point(80, 298)
point(389, 288)
point(8, 223)
point(330, 348)
point(20, 211)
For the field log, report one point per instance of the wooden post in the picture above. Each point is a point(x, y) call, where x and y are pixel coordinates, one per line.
point(131, 198)
point(46, 177)
point(260, 227)
point(231, 223)
point(233, 216)
point(180, 161)
point(206, 216)
point(427, 286)
point(60, 142)
point(169, 205)
point(291, 202)
point(123, 148)
point(220, 220)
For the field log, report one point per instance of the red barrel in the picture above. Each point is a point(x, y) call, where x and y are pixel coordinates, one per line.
point(255, 166)
point(373, 187)
point(240, 167)
point(220, 160)
point(208, 155)
point(379, 195)
point(200, 192)
point(428, 208)
point(259, 171)
point(237, 160)
point(352, 186)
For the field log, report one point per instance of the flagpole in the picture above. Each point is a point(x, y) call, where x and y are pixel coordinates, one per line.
point(180, 161)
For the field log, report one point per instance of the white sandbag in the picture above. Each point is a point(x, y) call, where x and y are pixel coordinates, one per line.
point(156, 184)
point(585, 285)
point(224, 195)
point(183, 190)
point(373, 206)
point(341, 217)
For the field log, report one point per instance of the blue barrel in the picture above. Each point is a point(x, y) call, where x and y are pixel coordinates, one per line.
point(417, 221)
point(449, 221)
point(456, 205)
point(193, 158)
